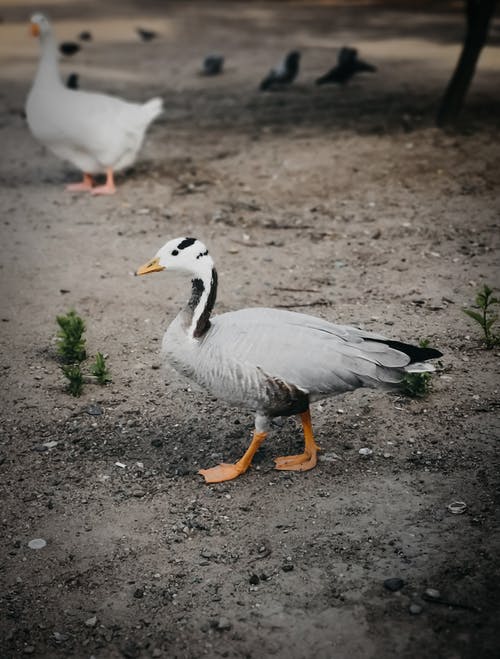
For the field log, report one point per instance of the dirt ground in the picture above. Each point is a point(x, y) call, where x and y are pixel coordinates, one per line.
point(342, 202)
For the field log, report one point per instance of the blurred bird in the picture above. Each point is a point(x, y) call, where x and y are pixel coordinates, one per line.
point(146, 35)
point(98, 133)
point(284, 74)
point(212, 65)
point(69, 48)
point(72, 81)
point(85, 36)
point(348, 65)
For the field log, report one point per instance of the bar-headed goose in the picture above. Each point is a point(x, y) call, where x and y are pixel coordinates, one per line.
point(97, 133)
point(272, 361)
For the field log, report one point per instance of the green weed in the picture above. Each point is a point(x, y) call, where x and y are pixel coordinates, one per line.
point(486, 317)
point(417, 385)
point(74, 375)
point(71, 342)
point(71, 348)
point(100, 370)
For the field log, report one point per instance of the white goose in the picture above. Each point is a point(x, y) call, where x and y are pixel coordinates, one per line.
point(272, 361)
point(97, 133)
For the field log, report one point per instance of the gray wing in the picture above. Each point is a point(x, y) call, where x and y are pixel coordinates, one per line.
point(308, 352)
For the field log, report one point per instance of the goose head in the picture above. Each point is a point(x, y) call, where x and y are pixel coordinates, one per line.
point(187, 256)
point(39, 25)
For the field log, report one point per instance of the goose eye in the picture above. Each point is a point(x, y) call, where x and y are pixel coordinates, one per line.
point(175, 252)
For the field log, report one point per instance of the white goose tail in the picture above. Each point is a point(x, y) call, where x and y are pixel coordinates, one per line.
point(152, 109)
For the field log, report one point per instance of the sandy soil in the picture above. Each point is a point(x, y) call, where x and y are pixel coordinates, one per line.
point(346, 203)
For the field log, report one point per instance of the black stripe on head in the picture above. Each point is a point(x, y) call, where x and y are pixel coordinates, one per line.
point(187, 242)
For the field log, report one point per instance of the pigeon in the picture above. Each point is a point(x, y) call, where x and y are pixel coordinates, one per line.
point(212, 65)
point(284, 74)
point(348, 65)
point(69, 48)
point(146, 35)
point(72, 81)
point(85, 36)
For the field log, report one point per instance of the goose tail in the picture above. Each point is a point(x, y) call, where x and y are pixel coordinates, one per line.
point(152, 109)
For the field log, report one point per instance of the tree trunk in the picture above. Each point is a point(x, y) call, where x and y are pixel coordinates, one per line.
point(478, 14)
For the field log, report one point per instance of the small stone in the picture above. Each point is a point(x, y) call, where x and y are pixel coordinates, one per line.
point(91, 622)
point(393, 584)
point(50, 444)
point(365, 452)
point(157, 443)
point(287, 567)
point(157, 652)
point(37, 543)
point(415, 609)
point(138, 492)
point(29, 649)
point(432, 593)
point(223, 624)
point(94, 410)
point(457, 507)
point(254, 579)
point(138, 593)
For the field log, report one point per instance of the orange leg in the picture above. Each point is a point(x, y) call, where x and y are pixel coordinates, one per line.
point(83, 186)
point(226, 472)
point(306, 460)
point(108, 187)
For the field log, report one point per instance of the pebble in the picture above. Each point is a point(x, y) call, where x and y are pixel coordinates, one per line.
point(51, 444)
point(415, 608)
point(37, 543)
point(432, 593)
point(365, 452)
point(223, 624)
point(138, 492)
point(287, 567)
point(393, 584)
point(457, 507)
point(138, 593)
point(94, 410)
point(91, 622)
point(254, 579)
point(29, 649)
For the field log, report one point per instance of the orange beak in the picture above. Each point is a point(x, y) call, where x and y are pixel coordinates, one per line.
point(35, 30)
point(150, 266)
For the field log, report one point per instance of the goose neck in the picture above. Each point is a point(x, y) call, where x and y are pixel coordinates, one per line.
point(48, 67)
point(200, 304)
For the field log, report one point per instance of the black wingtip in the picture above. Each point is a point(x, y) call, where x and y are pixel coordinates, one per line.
point(415, 353)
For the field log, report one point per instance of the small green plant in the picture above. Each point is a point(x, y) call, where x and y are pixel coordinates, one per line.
point(486, 317)
point(71, 348)
point(100, 370)
point(417, 385)
point(71, 342)
point(74, 375)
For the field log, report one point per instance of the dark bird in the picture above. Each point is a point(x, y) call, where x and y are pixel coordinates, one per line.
point(85, 36)
point(72, 81)
point(348, 65)
point(284, 74)
point(212, 65)
point(146, 35)
point(69, 48)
